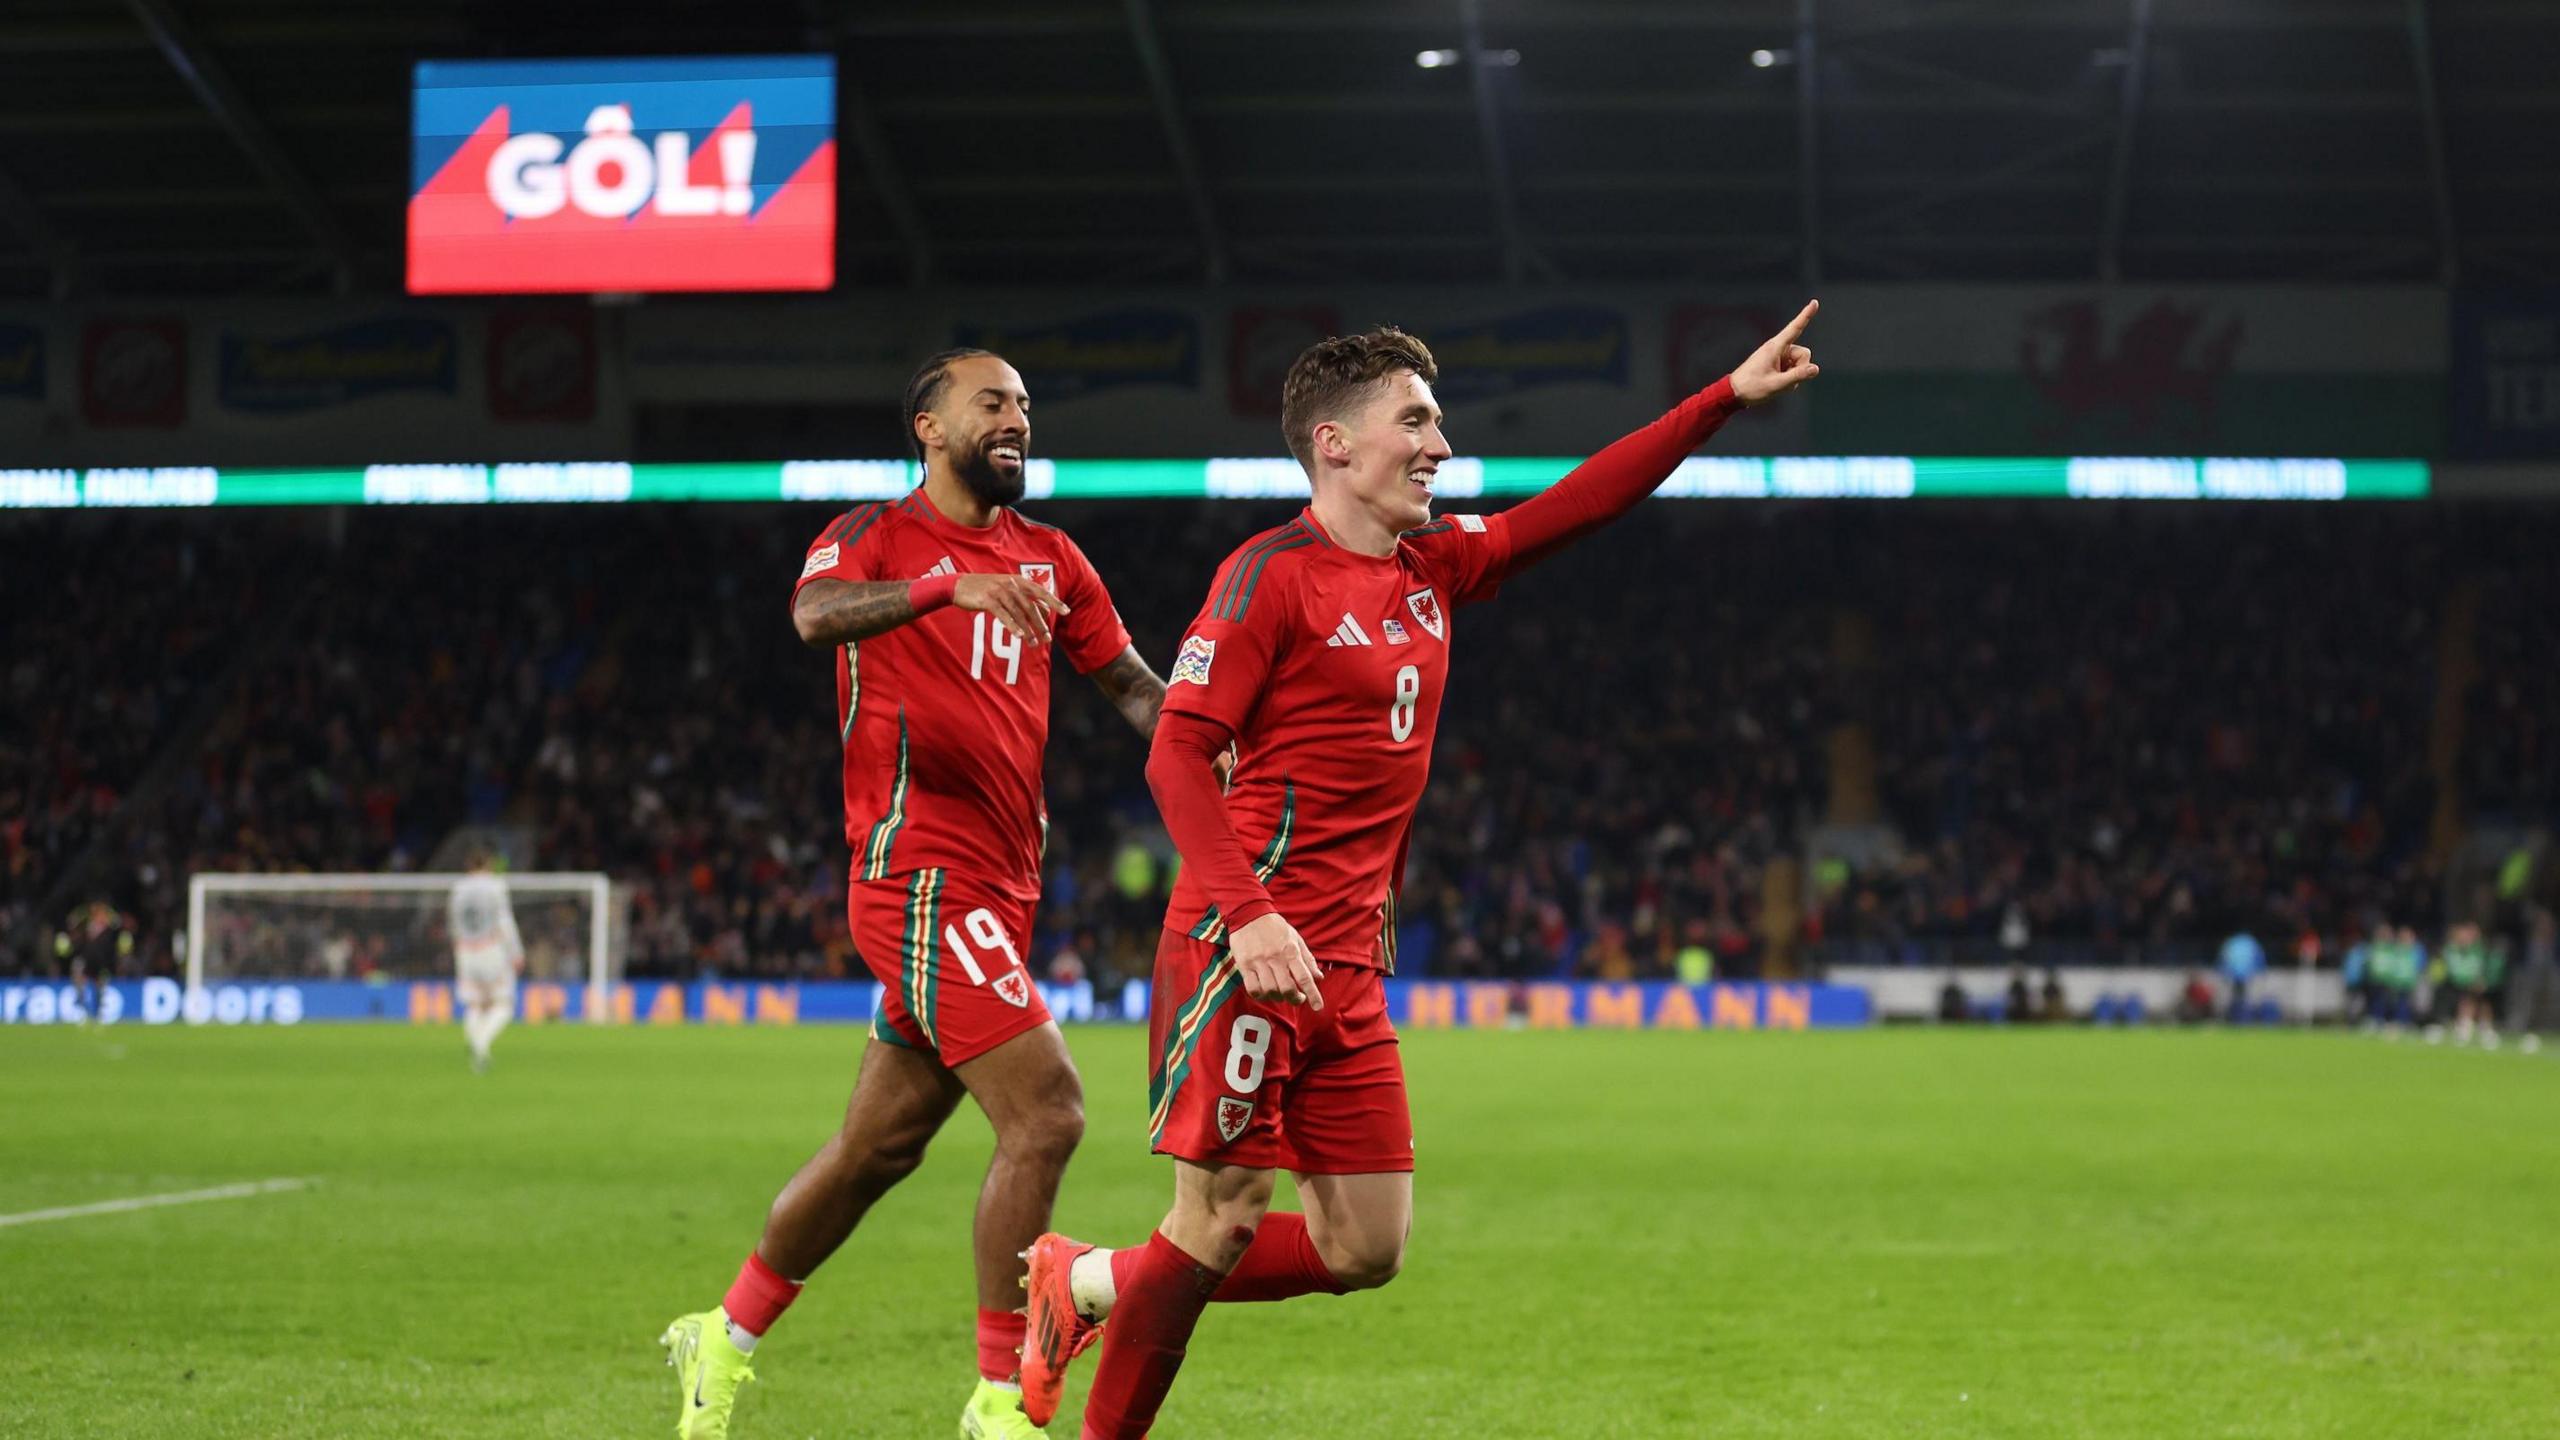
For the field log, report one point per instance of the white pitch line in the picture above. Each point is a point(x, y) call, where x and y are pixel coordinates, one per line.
point(241, 1191)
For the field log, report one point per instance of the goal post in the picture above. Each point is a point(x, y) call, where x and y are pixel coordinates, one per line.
point(393, 927)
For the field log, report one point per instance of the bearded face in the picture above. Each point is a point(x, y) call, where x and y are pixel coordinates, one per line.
point(991, 464)
point(984, 415)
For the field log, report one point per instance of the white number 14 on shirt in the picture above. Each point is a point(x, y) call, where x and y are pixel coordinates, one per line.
point(1005, 645)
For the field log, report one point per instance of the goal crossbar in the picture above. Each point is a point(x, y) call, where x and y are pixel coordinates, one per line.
point(596, 887)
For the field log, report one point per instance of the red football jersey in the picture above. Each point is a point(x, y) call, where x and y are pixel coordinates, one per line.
point(945, 719)
point(1329, 667)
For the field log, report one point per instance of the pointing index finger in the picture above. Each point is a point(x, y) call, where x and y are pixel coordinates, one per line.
point(1803, 318)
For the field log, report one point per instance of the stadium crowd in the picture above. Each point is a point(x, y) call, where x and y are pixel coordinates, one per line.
point(2512, 727)
point(2116, 727)
point(2159, 728)
point(104, 661)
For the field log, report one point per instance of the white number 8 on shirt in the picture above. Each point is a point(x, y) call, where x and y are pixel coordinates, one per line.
point(1400, 714)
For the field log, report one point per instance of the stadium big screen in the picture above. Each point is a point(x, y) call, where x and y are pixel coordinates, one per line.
point(637, 174)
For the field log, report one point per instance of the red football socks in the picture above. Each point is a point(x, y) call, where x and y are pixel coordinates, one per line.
point(1000, 1335)
point(1280, 1263)
point(759, 1296)
point(1142, 1346)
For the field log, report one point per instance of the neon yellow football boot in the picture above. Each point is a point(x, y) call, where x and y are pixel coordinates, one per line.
point(709, 1369)
point(995, 1413)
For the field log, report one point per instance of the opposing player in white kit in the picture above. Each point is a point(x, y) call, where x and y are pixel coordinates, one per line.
point(488, 955)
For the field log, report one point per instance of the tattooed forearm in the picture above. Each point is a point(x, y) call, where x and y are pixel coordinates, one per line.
point(1133, 689)
point(839, 612)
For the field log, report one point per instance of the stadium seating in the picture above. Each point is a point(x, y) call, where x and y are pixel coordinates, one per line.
point(2109, 728)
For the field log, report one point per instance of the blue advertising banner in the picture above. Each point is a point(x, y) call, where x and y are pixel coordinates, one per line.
point(166, 1002)
point(2505, 371)
point(1139, 346)
point(21, 362)
point(1552, 345)
point(334, 366)
point(1414, 1004)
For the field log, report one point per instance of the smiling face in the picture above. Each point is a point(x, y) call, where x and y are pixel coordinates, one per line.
point(979, 418)
point(1386, 453)
point(1358, 413)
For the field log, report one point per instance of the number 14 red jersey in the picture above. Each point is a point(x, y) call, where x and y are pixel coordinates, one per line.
point(945, 719)
point(1328, 666)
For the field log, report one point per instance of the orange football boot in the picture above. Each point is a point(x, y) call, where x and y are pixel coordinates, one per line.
point(1055, 1334)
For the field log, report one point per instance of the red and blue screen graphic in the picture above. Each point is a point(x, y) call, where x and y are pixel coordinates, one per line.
point(667, 173)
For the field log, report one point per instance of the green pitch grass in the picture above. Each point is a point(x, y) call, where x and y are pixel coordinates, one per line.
point(1860, 1234)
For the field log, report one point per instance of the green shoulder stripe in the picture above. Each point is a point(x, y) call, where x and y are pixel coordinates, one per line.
point(851, 524)
point(1236, 596)
point(1251, 577)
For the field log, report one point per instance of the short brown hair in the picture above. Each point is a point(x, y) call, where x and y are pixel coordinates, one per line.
point(1330, 375)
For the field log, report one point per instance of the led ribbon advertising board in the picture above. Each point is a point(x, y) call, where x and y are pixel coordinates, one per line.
point(1701, 477)
point(577, 176)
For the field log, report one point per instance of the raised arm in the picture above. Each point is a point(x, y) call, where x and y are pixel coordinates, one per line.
point(1610, 483)
point(828, 612)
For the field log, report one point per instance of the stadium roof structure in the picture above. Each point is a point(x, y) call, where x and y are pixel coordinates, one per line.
point(214, 147)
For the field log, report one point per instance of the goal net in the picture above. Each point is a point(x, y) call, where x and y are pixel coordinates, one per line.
point(393, 928)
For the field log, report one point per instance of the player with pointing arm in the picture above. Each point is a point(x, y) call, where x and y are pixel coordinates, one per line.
point(1321, 654)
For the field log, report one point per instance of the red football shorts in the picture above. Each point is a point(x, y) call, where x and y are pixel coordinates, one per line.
point(949, 952)
point(1276, 1087)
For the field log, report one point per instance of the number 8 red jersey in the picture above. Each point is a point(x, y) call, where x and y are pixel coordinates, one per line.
point(945, 719)
point(1328, 666)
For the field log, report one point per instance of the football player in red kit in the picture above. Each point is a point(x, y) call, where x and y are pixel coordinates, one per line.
point(1321, 654)
point(939, 609)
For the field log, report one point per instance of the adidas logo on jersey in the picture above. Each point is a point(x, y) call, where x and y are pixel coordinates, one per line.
point(1348, 633)
point(943, 568)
